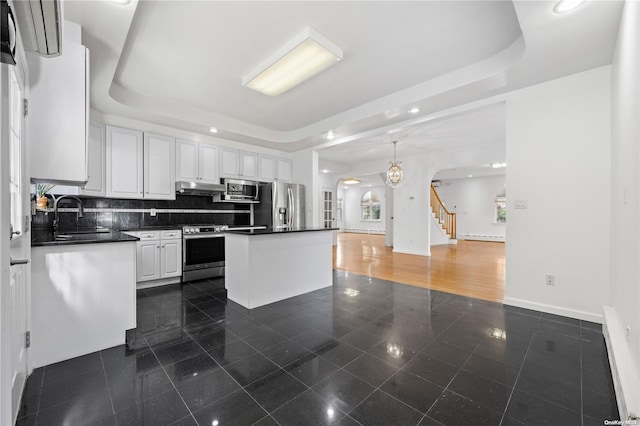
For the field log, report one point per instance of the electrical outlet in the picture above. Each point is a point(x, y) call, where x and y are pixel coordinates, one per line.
point(153, 212)
point(550, 279)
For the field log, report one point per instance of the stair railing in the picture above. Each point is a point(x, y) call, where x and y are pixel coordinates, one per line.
point(445, 218)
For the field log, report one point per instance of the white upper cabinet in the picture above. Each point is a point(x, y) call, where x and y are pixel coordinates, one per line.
point(238, 164)
point(96, 146)
point(197, 162)
point(59, 116)
point(186, 161)
point(159, 167)
point(124, 163)
point(274, 169)
point(266, 168)
point(283, 172)
point(208, 163)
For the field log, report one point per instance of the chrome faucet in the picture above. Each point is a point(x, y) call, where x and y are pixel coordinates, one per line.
point(55, 209)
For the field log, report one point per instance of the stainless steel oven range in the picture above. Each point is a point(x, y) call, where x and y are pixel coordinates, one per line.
point(202, 251)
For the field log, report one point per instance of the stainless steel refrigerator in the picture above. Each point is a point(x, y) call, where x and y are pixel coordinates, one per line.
point(281, 205)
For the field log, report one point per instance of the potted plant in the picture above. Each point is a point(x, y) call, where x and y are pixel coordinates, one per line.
point(41, 195)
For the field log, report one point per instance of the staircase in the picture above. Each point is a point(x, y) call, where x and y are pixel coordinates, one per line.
point(446, 219)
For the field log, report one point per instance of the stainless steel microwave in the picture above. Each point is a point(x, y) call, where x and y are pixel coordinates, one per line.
point(240, 190)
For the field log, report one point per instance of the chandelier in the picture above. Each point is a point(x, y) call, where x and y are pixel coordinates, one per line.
point(395, 173)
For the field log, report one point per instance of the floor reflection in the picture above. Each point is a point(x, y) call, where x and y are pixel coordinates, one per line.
point(365, 351)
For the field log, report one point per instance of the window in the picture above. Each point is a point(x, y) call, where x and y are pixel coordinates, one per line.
point(370, 205)
point(501, 210)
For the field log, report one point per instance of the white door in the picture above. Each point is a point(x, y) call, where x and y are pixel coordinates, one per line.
point(229, 161)
point(124, 163)
point(15, 246)
point(171, 262)
point(248, 165)
point(148, 261)
point(159, 167)
point(328, 218)
point(208, 163)
point(96, 183)
point(186, 161)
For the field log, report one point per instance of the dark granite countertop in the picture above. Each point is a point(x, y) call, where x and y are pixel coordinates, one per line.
point(152, 228)
point(41, 238)
point(269, 231)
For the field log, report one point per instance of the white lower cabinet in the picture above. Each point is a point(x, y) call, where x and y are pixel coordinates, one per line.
point(159, 257)
point(171, 254)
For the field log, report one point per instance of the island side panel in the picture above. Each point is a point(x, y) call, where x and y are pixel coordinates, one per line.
point(83, 299)
point(277, 266)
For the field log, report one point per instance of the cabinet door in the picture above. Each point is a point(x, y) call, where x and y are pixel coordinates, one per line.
point(208, 163)
point(124, 163)
point(148, 260)
point(248, 165)
point(171, 258)
point(266, 168)
point(229, 162)
point(284, 170)
point(58, 116)
point(159, 167)
point(96, 145)
point(186, 161)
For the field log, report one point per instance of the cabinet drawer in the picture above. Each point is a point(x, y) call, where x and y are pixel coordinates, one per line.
point(148, 235)
point(167, 235)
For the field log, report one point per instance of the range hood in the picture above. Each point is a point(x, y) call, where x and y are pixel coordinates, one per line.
point(194, 188)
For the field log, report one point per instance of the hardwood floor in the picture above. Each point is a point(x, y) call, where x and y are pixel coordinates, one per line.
point(470, 268)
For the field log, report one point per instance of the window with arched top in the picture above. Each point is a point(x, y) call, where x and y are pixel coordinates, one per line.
point(370, 206)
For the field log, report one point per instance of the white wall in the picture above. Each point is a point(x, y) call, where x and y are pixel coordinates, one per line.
point(305, 172)
point(474, 202)
point(625, 211)
point(352, 212)
point(558, 156)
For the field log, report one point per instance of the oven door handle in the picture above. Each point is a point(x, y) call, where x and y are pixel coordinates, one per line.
point(200, 236)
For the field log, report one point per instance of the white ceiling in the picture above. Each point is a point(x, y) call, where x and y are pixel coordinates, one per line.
point(180, 64)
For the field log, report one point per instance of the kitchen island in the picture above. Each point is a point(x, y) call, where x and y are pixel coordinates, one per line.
point(268, 265)
point(83, 295)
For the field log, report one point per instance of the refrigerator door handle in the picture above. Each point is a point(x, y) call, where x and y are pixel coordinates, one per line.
point(291, 204)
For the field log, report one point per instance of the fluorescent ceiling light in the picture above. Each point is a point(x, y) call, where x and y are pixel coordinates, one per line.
point(567, 5)
point(350, 181)
point(301, 58)
point(498, 165)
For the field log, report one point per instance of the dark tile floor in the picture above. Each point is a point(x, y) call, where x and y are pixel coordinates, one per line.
point(365, 351)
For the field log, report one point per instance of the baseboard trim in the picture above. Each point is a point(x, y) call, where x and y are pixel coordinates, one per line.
point(416, 252)
point(552, 309)
point(625, 377)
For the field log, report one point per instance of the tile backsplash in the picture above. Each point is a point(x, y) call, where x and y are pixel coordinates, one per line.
point(123, 214)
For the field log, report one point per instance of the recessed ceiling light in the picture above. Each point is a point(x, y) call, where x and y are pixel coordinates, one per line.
point(304, 56)
point(213, 129)
point(414, 110)
point(470, 175)
point(121, 1)
point(498, 165)
point(564, 6)
point(325, 170)
point(330, 135)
